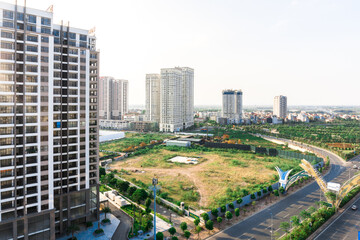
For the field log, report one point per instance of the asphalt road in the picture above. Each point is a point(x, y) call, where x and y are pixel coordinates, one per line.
point(259, 225)
point(123, 229)
point(345, 227)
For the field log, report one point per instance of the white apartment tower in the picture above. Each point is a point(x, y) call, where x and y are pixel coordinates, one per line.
point(152, 104)
point(176, 99)
point(232, 105)
point(280, 106)
point(113, 98)
point(48, 125)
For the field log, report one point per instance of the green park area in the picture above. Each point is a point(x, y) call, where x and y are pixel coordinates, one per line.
point(340, 136)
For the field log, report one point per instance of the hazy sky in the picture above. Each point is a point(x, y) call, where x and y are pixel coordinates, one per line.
point(308, 50)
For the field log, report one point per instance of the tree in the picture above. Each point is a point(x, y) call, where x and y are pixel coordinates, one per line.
point(259, 193)
point(252, 196)
point(239, 200)
point(276, 193)
point(282, 190)
point(172, 231)
point(223, 208)
point(72, 229)
point(228, 215)
point(209, 225)
point(123, 186)
point(187, 234)
point(174, 238)
point(159, 236)
point(231, 205)
point(285, 226)
point(214, 212)
point(183, 226)
point(102, 171)
point(198, 230)
point(148, 202)
point(131, 190)
point(205, 216)
point(139, 195)
point(295, 220)
point(237, 212)
point(304, 214)
point(264, 191)
point(219, 219)
point(196, 221)
point(106, 210)
point(270, 188)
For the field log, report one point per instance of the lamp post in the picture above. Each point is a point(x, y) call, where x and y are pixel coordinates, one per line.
point(271, 229)
point(154, 183)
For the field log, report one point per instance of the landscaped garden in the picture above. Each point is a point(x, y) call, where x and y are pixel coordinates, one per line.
point(221, 176)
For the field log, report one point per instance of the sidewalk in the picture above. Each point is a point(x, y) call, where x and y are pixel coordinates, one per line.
point(86, 234)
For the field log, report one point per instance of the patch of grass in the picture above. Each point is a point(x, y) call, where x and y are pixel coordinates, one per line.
point(104, 188)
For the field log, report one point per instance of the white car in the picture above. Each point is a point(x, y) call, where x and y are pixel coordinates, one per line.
point(354, 207)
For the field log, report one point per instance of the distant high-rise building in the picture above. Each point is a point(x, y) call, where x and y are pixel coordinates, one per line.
point(113, 98)
point(176, 99)
point(280, 106)
point(152, 104)
point(232, 105)
point(48, 125)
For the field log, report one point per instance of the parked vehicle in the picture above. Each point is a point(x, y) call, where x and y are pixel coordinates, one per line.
point(354, 207)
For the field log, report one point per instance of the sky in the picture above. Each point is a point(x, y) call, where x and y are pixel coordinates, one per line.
point(308, 50)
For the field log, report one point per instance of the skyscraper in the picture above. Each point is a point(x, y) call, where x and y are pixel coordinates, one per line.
point(113, 98)
point(280, 106)
point(152, 104)
point(48, 125)
point(232, 105)
point(176, 99)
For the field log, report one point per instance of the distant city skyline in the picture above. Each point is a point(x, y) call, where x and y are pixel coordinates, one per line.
point(306, 50)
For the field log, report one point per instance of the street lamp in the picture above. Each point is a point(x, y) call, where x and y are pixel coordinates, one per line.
point(154, 183)
point(271, 230)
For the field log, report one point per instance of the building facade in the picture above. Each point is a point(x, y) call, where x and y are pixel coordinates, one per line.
point(176, 99)
point(152, 104)
point(232, 105)
point(280, 106)
point(113, 98)
point(48, 125)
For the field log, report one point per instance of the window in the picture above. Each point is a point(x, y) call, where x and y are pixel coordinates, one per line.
point(45, 21)
point(32, 38)
point(31, 48)
point(44, 69)
point(44, 79)
point(45, 30)
point(30, 58)
point(31, 28)
point(72, 35)
point(44, 59)
point(31, 68)
point(20, 16)
point(7, 45)
point(83, 44)
point(8, 24)
point(45, 49)
point(31, 78)
point(7, 34)
point(56, 33)
point(31, 18)
point(45, 39)
point(7, 56)
point(8, 14)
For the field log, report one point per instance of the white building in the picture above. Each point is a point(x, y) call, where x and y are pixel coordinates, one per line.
point(113, 98)
point(232, 105)
point(152, 104)
point(280, 106)
point(48, 125)
point(176, 99)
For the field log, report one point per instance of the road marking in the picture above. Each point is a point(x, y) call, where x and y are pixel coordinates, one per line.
point(286, 215)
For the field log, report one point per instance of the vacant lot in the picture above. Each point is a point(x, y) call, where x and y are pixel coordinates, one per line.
point(221, 175)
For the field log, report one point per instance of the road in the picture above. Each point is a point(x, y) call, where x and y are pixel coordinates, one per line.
point(259, 225)
point(345, 227)
point(123, 229)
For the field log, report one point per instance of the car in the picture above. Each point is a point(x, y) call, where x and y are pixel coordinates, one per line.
point(354, 207)
point(355, 167)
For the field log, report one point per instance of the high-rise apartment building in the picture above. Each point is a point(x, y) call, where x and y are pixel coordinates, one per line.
point(152, 104)
point(48, 125)
point(280, 106)
point(113, 98)
point(176, 99)
point(232, 105)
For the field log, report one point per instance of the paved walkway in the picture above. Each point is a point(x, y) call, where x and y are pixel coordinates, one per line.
point(87, 234)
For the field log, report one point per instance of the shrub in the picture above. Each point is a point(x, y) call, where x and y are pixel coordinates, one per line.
point(159, 236)
point(270, 188)
point(98, 231)
point(223, 208)
point(259, 193)
point(89, 224)
point(252, 196)
point(231, 205)
point(187, 234)
point(183, 226)
point(282, 190)
point(239, 201)
point(209, 225)
point(237, 212)
point(219, 219)
point(205, 216)
point(174, 238)
point(215, 212)
point(228, 215)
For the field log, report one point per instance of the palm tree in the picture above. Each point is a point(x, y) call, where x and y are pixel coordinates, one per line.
point(73, 228)
point(106, 210)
